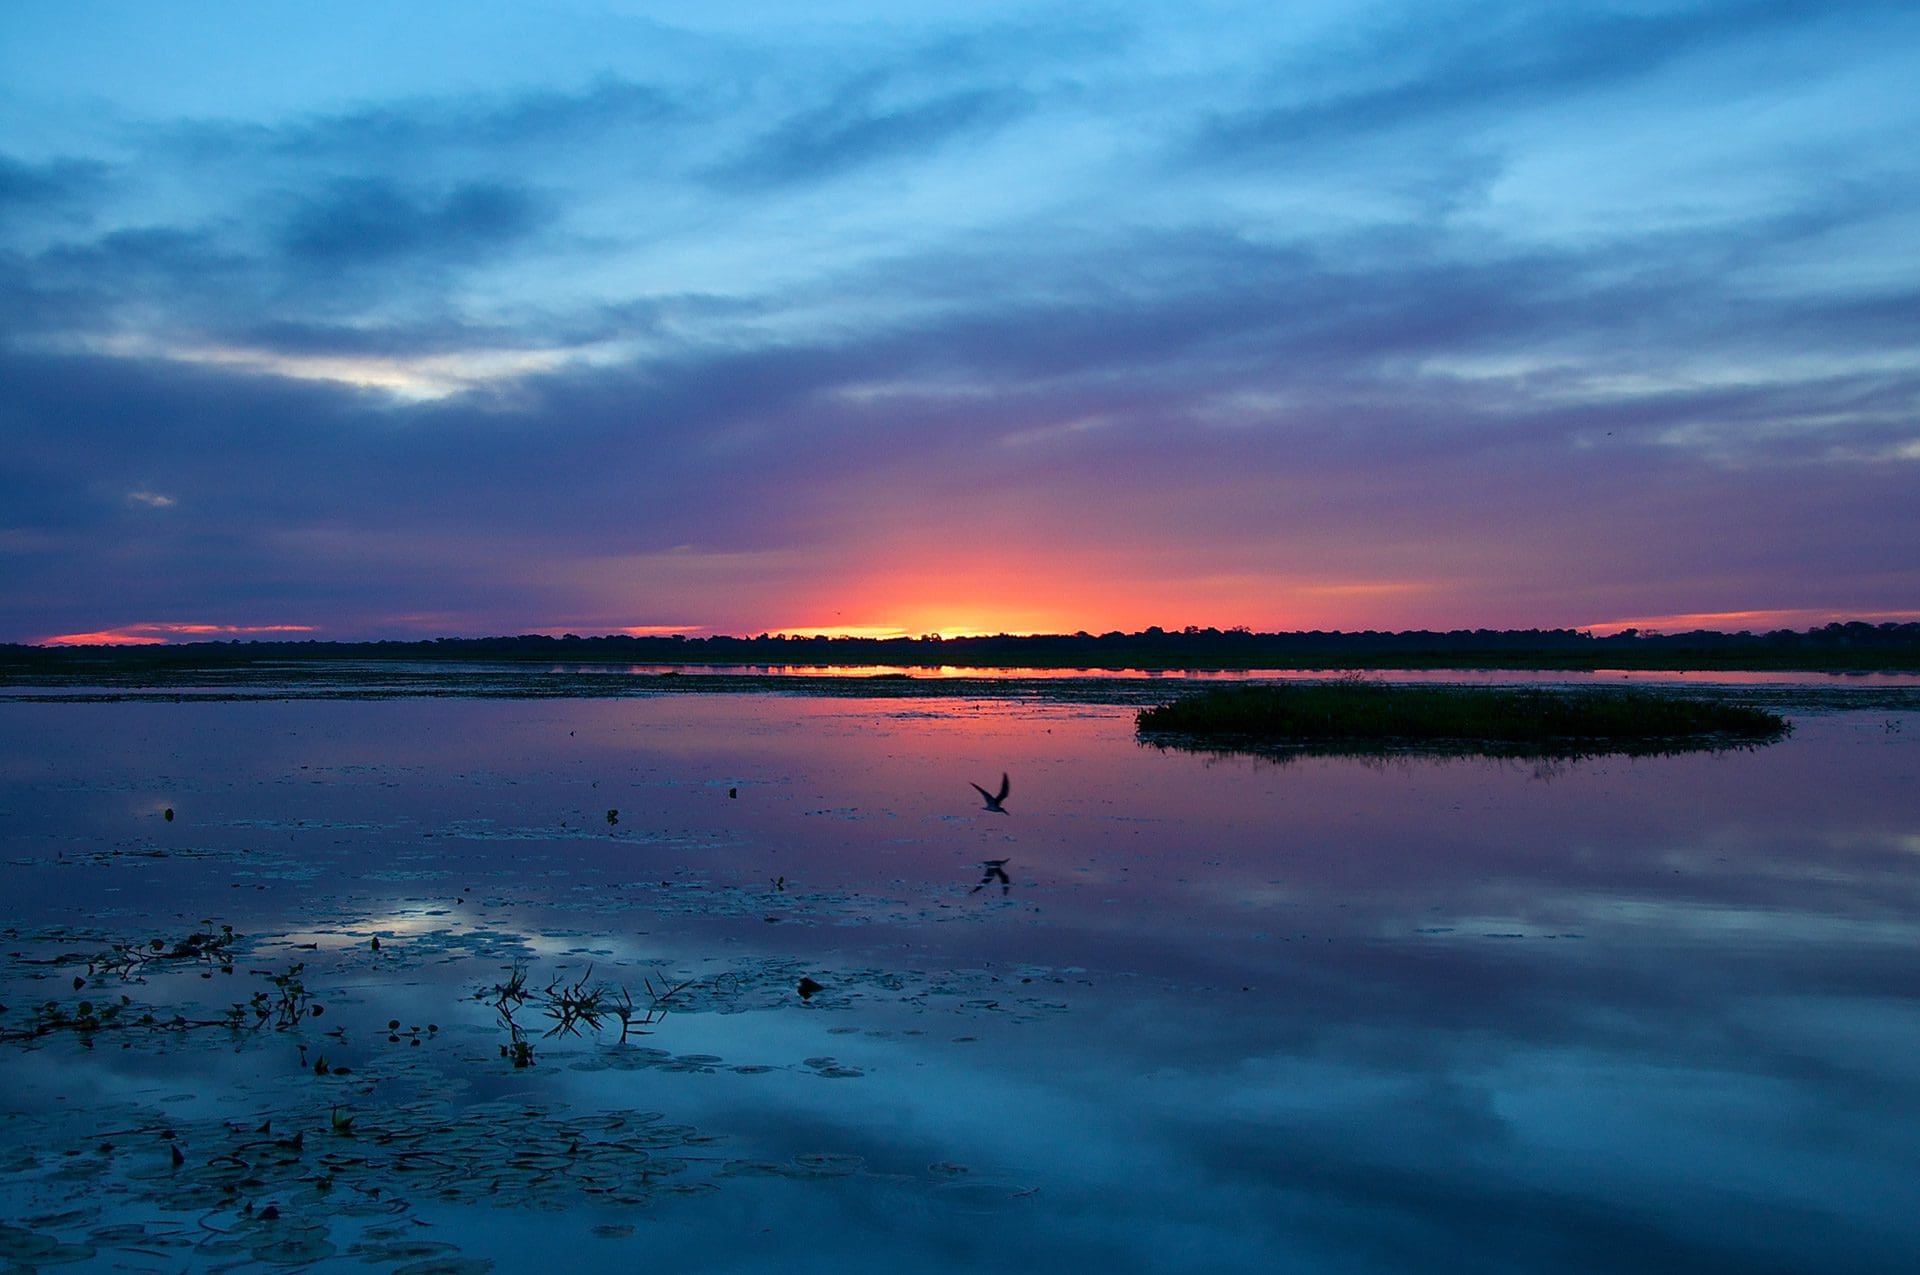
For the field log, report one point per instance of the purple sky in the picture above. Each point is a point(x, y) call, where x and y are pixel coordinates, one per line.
point(410, 320)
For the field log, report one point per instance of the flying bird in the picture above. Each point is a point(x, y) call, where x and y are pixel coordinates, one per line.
point(993, 800)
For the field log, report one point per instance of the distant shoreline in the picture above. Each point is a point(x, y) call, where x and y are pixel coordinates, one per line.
point(1835, 648)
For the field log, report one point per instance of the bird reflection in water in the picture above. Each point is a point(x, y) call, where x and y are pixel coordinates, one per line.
point(994, 870)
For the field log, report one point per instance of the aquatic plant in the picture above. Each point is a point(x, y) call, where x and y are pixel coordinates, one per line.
point(287, 1004)
point(573, 1005)
point(1356, 712)
point(411, 1033)
point(84, 1019)
point(131, 960)
point(508, 997)
point(262, 1199)
point(570, 1005)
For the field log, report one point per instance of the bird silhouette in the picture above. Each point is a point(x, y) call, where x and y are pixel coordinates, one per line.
point(993, 800)
point(995, 870)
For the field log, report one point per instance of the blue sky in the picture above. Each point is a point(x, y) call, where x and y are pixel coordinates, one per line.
point(398, 320)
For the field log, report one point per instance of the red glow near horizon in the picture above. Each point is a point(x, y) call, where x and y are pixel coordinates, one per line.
point(960, 622)
point(1060, 614)
point(161, 634)
point(1741, 621)
point(1020, 598)
point(957, 594)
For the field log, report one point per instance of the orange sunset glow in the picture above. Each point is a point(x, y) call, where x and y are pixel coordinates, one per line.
point(1027, 589)
point(1429, 342)
point(159, 634)
point(1750, 621)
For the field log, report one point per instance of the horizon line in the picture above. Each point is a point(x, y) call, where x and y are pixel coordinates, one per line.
point(132, 637)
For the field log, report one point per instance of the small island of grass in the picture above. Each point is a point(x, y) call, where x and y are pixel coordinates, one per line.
point(1353, 715)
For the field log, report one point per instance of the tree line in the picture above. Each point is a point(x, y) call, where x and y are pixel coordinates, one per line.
point(1850, 645)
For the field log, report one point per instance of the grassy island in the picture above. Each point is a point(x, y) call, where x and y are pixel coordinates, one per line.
point(1353, 714)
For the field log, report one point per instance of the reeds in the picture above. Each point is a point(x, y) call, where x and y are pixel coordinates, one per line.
point(1352, 711)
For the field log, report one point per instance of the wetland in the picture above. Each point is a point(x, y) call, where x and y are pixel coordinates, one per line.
point(729, 975)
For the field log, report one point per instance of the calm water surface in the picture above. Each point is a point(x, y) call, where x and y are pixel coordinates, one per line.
point(1223, 1014)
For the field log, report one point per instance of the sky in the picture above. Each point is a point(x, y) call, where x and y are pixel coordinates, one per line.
point(391, 321)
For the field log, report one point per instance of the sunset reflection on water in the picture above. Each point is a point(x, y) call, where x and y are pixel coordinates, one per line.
point(1227, 1012)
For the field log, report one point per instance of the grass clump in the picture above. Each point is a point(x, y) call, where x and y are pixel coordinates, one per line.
point(1352, 713)
point(571, 1006)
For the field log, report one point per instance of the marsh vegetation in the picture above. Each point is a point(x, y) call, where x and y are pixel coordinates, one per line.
point(1360, 714)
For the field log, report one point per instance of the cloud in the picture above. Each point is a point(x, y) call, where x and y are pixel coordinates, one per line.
point(484, 123)
point(1426, 69)
point(783, 324)
point(52, 184)
point(855, 130)
point(372, 220)
point(1734, 621)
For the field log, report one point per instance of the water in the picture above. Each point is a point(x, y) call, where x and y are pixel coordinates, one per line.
point(1226, 1014)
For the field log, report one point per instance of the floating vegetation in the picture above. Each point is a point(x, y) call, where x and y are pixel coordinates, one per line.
point(574, 1005)
point(329, 1152)
point(328, 1166)
point(284, 1004)
point(287, 1198)
point(1354, 714)
point(83, 1020)
point(131, 960)
point(31, 1249)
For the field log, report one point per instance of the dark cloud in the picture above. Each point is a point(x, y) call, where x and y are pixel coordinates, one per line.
point(775, 363)
point(855, 130)
point(54, 184)
point(487, 123)
point(381, 340)
point(83, 285)
point(418, 141)
point(305, 286)
point(375, 220)
point(1348, 454)
point(163, 257)
point(1493, 58)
